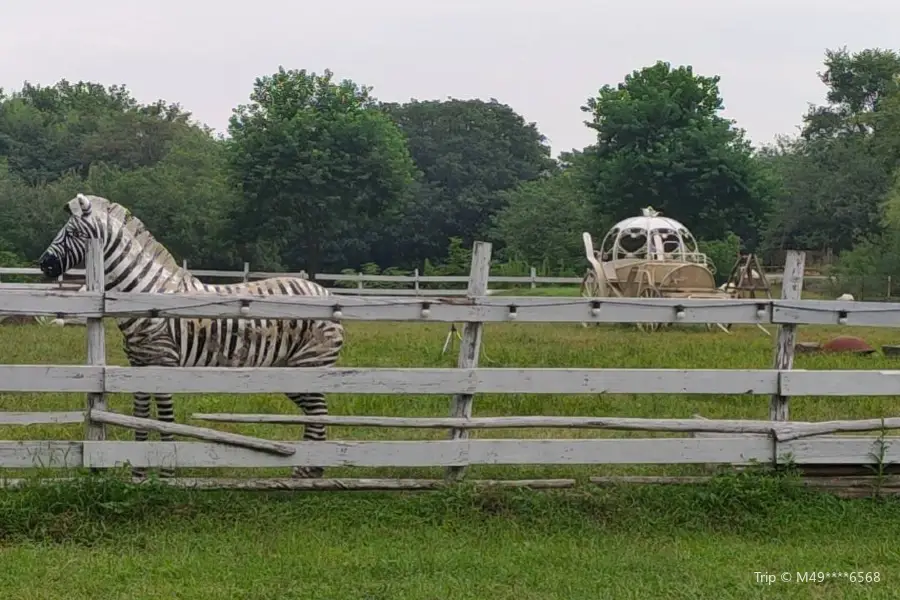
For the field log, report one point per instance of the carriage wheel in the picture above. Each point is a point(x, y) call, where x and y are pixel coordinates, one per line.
point(590, 284)
point(649, 292)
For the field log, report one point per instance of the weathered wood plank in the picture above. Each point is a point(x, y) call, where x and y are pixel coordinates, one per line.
point(445, 453)
point(396, 308)
point(836, 450)
point(202, 433)
point(83, 379)
point(360, 484)
point(50, 378)
point(841, 383)
point(442, 453)
point(848, 487)
point(49, 454)
point(46, 302)
point(830, 312)
point(738, 451)
point(791, 289)
point(796, 431)
point(470, 344)
point(399, 307)
point(35, 271)
point(41, 418)
point(349, 380)
point(722, 426)
point(845, 487)
point(313, 485)
point(96, 339)
point(783, 431)
point(383, 292)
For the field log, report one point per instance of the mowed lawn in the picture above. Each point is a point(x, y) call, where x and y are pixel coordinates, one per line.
point(106, 539)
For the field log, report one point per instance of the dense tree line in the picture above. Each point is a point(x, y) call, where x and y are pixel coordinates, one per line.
point(318, 174)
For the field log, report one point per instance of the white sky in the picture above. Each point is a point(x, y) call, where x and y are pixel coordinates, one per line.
point(544, 58)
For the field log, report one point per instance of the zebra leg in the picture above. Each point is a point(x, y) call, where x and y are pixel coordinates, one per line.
point(313, 405)
point(165, 412)
point(142, 411)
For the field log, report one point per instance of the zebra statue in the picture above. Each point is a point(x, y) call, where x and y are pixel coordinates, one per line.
point(134, 261)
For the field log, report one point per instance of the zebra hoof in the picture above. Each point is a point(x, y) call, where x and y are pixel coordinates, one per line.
point(308, 472)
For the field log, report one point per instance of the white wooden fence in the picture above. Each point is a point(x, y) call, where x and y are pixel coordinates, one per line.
point(413, 282)
point(773, 441)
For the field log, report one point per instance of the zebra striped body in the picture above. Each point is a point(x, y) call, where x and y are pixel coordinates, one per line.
point(135, 262)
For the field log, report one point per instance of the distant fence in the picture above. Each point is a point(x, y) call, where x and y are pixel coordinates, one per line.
point(737, 442)
point(356, 283)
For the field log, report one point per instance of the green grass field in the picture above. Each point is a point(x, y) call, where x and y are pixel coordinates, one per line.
point(105, 539)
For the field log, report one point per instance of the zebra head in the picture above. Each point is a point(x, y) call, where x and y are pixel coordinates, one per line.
point(69, 247)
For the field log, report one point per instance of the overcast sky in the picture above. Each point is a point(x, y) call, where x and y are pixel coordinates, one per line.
point(542, 57)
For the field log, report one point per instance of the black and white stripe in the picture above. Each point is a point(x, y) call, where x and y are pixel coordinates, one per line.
point(134, 261)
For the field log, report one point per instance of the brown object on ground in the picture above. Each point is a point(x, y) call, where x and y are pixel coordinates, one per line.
point(848, 343)
point(891, 350)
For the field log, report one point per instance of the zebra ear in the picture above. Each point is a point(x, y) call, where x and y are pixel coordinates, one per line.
point(85, 203)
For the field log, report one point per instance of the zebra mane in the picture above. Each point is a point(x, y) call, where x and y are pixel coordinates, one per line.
point(118, 217)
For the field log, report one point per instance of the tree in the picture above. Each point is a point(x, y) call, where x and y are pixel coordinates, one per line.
point(468, 151)
point(314, 159)
point(46, 132)
point(69, 138)
point(186, 199)
point(828, 195)
point(542, 220)
point(858, 84)
point(834, 177)
point(661, 142)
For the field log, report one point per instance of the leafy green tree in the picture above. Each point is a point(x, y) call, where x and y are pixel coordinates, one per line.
point(834, 177)
point(858, 85)
point(46, 132)
point(185, 199)
point(722, 254)
point(468, 151)
point(315, 161)
point(829, 194)
point(661, 142)
point(542, 220)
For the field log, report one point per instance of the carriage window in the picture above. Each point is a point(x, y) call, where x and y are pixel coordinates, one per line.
point(609, 242)
point(671, 243)
point(632, 241)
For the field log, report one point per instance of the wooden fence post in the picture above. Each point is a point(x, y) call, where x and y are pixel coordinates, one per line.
point(246, 272)
point(96, 340)
point(416, 280)
point(470, 346)
point(533, 275)
point(791, 289)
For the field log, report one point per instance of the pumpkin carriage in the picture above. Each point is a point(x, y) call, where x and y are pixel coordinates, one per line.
point(651, 256)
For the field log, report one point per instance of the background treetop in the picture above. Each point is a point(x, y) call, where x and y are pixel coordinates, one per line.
point(319, 174)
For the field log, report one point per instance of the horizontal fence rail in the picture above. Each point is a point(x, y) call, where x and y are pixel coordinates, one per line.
point(425, 381)
point(360, 279)
point(480, 309)
point(735, 450)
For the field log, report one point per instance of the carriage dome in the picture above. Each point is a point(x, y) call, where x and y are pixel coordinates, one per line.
point(650, 236)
